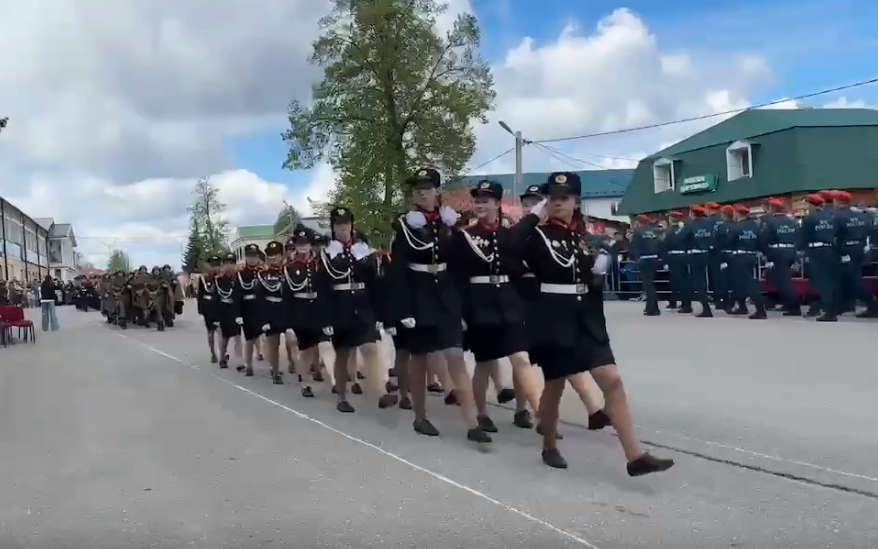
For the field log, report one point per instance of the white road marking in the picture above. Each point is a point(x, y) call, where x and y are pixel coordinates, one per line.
point(438, 476)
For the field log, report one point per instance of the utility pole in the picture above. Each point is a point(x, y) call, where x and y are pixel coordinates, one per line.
point(519, 170)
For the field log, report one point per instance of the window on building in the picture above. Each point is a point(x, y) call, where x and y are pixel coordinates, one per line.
point(13, 230)
point(739, 160)
point(663, 175)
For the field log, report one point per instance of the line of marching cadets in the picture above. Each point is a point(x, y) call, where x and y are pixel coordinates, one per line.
point(530, 292)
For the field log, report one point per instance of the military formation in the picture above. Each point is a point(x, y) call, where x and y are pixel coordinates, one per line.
point(724, 248)
point(143, 297)
point(529, 292)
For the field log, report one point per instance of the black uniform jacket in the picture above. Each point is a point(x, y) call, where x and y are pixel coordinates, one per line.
point(245, 294)
point(205, 298)
point(348, 283)
point(226, 298)
point(270, 305)
point(306, 307)
point(556, 256)
point(487, 263)
point(426, 291)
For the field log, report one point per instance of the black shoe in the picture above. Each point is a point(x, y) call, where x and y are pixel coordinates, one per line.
point(334, 390)
point(260, 358)
point(307, 392)
point(705, 312)
point(478, 435)
point(558, 436)
point(522, 420)
point(647, 464)
point(223, 364)
point(553, 458)
point(405, 403)
point(793, 312)
point(435, 388)
point(388, 400)
point(277, 379)
point(671, 306)
point(652, 313)
point(505, 395)
point(213, 359)
point(451, 398)
point(317, 377)
point(486, 424)
point(356, 389)
point(391, 372)
point(360, 376)
point(248, 372)
point(345, 407)
point(685, 309)
point(827, 318)
point(241, 368)
point(758, 315)
point(424, 427)
point(812, 313)
point(390, 387)
point(739, 311)
point(598, 421)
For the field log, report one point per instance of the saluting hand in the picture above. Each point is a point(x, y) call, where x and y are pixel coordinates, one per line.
point(541, 210)
point(408, 322)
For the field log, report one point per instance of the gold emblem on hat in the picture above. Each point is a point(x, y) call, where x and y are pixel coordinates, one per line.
point(422, 173)
point(341, 211)
point(561, 179)
point(485, 185)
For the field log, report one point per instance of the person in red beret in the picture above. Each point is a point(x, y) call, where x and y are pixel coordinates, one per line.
point(676, 214)
point(817, 243)
point(711, 207)
point(780, 235)
point(698, 235)
point(743, 242)
point(717, 279)
point(674, 253)
point(852, 231)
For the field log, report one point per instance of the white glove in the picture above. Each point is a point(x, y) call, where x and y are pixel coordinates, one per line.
point(266, 327)
point(866, 248)
point(769, 265)
point(463, 324)
point(723, 266)
point(328, 330)
point(391, 331)
point(845, 259)
point(415, 220)
point(448, 215)
point(216, 323)
point(601, 264)
point(379, 326)
point(239, 321)
point(360, 250)
point(408, 322)
point(335, 247)
point(540, 209)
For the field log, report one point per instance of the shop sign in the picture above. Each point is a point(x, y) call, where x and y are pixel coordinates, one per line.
point(698, 184)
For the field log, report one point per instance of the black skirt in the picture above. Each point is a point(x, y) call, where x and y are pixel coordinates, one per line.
point(309, 338)
point(430, 339)
point(559, 362)
point(488, 343)
point(209, 324)
point(229, 328)
point(352, 338)
point(399, 339)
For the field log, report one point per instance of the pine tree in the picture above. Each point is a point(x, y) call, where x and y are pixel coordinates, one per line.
point(195, 249)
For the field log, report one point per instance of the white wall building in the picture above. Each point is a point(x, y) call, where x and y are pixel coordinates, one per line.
point(63, 259)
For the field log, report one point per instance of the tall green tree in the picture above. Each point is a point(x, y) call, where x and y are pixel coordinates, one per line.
point(194, 256)
point(396, 94)
point(118, 261)
point(207, 210)
point(288, 215)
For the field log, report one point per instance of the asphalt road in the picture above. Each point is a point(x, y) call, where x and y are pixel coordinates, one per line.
point(113, 439)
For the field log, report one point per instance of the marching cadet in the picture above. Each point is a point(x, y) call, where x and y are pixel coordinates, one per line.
point(248, 310)
point(852, 231)
point(873, 248)
point(205, 303)
point(818, 242)
point(290, 343)
point(717, 277)
point(347, 273)
point(271, 306)
point(485, 260)
point(569, 327)
point(428, 303)
point(744, 242)
point(698, 236)
point(307, 312)
point(401, 358)
point(675, 247)
point(780, 234)
point(645, 250)
point(721, 242)
point(226, 299)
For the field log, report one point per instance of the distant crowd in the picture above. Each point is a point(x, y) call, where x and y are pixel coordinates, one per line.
point(27, 294)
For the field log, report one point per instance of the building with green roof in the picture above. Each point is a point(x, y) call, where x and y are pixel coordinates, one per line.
point(760, 153)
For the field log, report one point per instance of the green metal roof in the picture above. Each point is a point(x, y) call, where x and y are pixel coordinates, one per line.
point(756, 122)
point(255, 231)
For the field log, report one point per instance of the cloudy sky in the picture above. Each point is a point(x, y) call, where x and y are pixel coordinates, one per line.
point(116, 108)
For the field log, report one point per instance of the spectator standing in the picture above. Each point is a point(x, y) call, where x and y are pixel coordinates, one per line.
point(47, 302)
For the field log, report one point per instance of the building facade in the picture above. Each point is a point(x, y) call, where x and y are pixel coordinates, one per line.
point(261, 235)
point(24, 250)
point(761, 153)
point(63, 256)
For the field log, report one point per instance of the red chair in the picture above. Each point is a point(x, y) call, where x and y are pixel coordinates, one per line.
point(13, 317)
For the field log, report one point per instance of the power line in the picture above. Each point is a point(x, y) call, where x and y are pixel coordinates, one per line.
point(483, 164)
point(713, 115)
